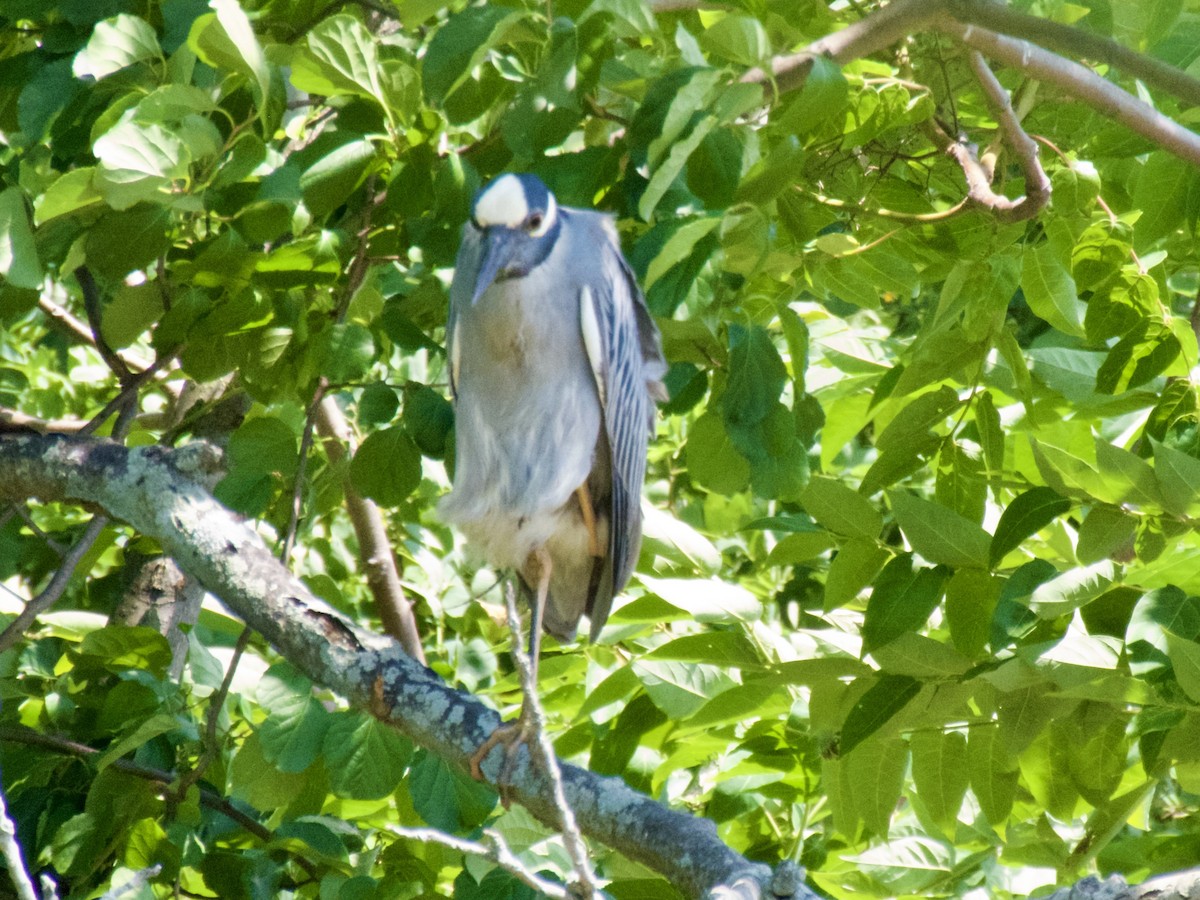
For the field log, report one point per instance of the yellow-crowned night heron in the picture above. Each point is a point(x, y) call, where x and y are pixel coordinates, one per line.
point(555, 366)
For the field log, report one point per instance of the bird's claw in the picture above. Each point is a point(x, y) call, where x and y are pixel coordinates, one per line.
point(512, 735)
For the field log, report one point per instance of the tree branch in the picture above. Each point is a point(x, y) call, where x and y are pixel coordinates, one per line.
point(881, 29)
point(58, 584)
point(158, 492)
point(395, 609)
point(1077, 42)
point(1081, 83)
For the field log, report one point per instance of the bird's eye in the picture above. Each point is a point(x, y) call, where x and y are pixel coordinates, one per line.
point(535, 222)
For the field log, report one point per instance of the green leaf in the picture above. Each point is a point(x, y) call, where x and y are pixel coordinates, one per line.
point(939, 534)
point(993, 771)
point(854, 567)
point(133, 310)
point(366, 758)
point(428, 418)
point(1046, 768)
point(460, 45)
point(841, 510)
point(939, 770)
point(446, 798)
point(918, 420)
point(1179, 477)
point(116, 43)
point(680, 689)
point(346, 351)
point(1142, 354)
point(1024, 517)
point(225, 40)
point(901, 602)
point(728, 648)
point(1159, 193)
point(292, 734)
point(330, 180)
point(678, 246)
point(139, 162)
point(1106, 532)
point(877, 770)
point(19, 264)
point(1050, 290)
point(387, 467)
point(739, 39)
point(134, 647)
point(1067, 592)
point(712, 460)
point(756, 378)
point(707, 599)
point(263, 446)
point(821, 102)
point(874, 709)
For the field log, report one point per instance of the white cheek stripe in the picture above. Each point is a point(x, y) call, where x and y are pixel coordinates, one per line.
point(592, 343)
point(503, 203)
point(547, 218)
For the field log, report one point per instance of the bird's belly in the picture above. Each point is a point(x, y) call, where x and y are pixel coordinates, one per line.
point(527, 424)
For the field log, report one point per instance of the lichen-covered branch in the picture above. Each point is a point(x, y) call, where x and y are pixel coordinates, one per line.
point(161, 493)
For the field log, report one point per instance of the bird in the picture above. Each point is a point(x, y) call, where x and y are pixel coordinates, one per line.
point(555, 368)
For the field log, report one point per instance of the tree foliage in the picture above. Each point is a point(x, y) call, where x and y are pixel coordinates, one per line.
point(917, 607)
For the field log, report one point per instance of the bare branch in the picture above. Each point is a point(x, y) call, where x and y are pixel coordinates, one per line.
point(1081, 83)
point(379, 563)
point(157, 491)
point(1077, 42)
point(58, 584)
point(91, 303)
point(1037, 183)
point(886, 26)
point(492, 847)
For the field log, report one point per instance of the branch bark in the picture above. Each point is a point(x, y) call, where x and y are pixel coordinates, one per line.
point(971, 23)
point(160, 493)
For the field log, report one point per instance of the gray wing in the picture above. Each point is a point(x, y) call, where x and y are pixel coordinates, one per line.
point(466, 269)
point(628, 374)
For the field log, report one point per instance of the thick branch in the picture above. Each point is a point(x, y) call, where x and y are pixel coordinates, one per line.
point(1076, 43)
point(1083, 84)
point(158, 492)
point(884, 27)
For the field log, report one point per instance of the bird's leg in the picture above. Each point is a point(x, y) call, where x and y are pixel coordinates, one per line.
point(589, 519)
point(513, 734)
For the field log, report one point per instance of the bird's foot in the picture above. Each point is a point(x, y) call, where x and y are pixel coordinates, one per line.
point(512, 735)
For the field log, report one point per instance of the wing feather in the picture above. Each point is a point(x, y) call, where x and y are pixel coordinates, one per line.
point(631, 367)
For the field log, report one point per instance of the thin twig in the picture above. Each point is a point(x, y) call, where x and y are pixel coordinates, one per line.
point(128, 392)
point(306, 441)
point(894, 215)
point(91, 304)
point(543, 750)
point(208, 797)
point(80, 331)
point(492, 847)
point(14, 859)
point(215, 704)
point(58, 584)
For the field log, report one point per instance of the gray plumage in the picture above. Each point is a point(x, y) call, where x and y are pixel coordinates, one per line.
point(555, 365)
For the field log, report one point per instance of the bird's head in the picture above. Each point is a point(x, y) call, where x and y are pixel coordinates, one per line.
point(518, 220)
